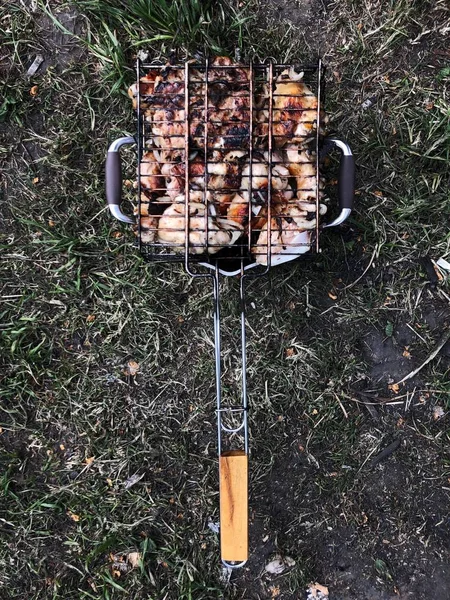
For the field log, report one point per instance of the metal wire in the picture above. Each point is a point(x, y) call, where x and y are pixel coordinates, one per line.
point(192, 144)
point(250, 136)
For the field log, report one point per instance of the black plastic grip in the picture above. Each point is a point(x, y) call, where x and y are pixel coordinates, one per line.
point(113, 178)
point(346, 185)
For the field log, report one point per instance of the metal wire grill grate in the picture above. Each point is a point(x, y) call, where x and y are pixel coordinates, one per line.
point(228, 161)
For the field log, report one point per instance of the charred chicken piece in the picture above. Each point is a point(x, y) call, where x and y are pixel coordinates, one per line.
point(152, 182)
point(294, 115)
point(146, 87)
point(224, 176)
point(175, 173)
point(302, 168)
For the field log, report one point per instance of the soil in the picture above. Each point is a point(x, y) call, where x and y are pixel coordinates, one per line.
point(305, 15)
point(389, 539)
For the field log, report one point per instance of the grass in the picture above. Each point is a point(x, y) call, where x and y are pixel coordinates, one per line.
point(97, 465)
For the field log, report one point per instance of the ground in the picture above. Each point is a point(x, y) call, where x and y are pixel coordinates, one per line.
point(109, 478)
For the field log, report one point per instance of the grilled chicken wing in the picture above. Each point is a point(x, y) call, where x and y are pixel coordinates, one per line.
point(295, 109)
point(146, 87)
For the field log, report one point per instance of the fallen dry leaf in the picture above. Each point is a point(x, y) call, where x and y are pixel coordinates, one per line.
point(275, 591)
point(279, 565)
point(132, 368)
point(51, 223)
point(90, 318)
point(394, 387)
point(134, 558)
point(35, 180)
point(438, 412)
point(73, 516)
point(438, 273)
point(89, 460)
point(406, 352)
point(290, 352)
point(316, 590)
point(133, 480)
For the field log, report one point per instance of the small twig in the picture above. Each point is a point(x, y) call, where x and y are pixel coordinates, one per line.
point(445, 338)
point(372, 411)
point(372, 258)
point(415, 333)
point(409, 398)
point(342, 406)
point(385, 453)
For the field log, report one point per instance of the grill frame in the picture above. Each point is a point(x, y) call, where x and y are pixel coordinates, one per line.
point(232, 414)
point(239, 255)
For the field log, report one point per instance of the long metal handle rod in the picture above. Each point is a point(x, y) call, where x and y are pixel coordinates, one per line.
point(244, 363)
point(243, 408)
point(217, 355)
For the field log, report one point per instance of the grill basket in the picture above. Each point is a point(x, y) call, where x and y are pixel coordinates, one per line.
point(229, 161)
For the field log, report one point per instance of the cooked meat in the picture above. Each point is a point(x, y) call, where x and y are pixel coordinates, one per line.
point(152, 181)
point(227, 112)
point(224, 176)
point(171, 230)
point(302, 167)
point(146, 87)
point(175, 173)
point(294, 114)
point(238, 210)
point(168, 128)
point(294, 109)
point(219, 139)
point(149, 227)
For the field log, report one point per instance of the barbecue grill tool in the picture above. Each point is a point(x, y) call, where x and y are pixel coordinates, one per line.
point(232, 420)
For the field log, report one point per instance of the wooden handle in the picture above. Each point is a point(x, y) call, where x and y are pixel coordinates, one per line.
point(233, 472)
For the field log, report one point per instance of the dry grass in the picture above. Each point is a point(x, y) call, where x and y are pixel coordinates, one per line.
point(95, 464)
